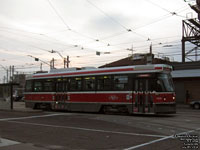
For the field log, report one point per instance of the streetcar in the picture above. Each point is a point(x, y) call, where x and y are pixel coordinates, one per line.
point(143, 89)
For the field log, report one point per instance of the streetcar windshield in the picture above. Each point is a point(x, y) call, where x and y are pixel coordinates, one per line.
point(164, 83)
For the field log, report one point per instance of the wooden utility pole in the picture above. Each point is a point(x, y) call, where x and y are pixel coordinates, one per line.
point(68, 61)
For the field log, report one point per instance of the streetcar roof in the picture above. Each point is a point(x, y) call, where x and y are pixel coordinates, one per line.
point(104, 71)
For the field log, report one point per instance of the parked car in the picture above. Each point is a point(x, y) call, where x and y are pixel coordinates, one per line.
point(18, 98)
point(195, 104)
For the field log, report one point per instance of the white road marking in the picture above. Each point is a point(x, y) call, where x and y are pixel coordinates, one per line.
point(88, 129)
point(161, 139)
point(148, 143)
point(29, 117)
point(6, 142)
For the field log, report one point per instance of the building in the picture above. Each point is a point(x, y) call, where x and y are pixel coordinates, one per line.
point(186, 76)
point(18, 89)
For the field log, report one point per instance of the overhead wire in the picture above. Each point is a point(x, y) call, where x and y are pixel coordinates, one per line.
point(114, 20)
point(61, 18)
point(69, 28)
point(147, 24)
point(171, 12)
point(53, 40)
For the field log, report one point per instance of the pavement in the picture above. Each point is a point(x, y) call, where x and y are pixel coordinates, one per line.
point(19, 107)
point(64, 129)
point(6, 144)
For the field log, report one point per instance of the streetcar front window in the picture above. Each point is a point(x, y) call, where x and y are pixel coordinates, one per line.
point(165, 83)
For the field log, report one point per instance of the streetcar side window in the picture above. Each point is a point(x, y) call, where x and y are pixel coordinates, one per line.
point(104, 83)
point(38, 86)
point(89, 83)
point(28, 87)
point(59, 85)
point(75, 84)
point(65, 84)
point(120, 82)
point(48, 85)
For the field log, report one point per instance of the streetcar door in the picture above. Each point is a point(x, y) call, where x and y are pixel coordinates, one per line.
point(142, 96)
point(60, 93)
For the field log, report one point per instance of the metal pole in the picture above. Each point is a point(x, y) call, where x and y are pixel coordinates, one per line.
point(183, 50)
point(10, 73)
point(13, 69)
point(67, 61)
point(41, 67)
point(183, 42)
point(11, 96)
point(64, 62)
point(7, 76)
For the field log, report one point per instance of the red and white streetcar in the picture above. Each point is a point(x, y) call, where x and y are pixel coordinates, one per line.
point(132, 89)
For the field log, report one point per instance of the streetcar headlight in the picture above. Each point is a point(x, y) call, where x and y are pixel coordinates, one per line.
point(173, 98)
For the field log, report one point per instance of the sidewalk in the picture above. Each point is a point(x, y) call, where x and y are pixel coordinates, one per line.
point(183, 106)
point(6, 144)
point(20, 107)
point(13, 145)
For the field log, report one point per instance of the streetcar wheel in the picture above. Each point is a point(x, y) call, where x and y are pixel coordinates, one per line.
point(36, 106)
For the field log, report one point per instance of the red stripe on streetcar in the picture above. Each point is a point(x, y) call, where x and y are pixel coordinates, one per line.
point(87, 72)
point(158, 68)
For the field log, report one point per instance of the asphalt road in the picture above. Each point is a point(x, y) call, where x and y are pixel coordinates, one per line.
point(66, 131)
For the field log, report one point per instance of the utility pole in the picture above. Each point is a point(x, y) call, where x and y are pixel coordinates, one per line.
point(131, 49)
point(40, 66)
point(150, 49)
point(7, 75)
point(67, 61)
point(4, 79)
point(52, 63)
point(13, 70)
point(10, 74)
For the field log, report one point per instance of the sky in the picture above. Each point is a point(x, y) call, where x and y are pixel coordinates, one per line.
point(79, 28)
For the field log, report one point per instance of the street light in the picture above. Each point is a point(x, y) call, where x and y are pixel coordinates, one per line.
point(37, 59)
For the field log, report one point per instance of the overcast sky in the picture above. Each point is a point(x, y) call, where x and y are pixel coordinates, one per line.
point(79, 28)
